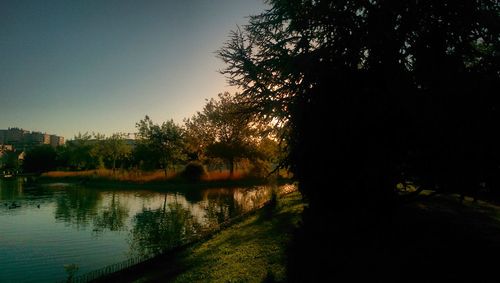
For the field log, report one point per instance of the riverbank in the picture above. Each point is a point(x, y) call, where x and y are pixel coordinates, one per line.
point(252, 250)
point(438, 239)
point(99, 179)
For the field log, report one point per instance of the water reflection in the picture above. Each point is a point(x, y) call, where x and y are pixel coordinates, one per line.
point(11, 189)
point(180, 217)
point(156, 230)
point(56, 224)
point(17, 194)
point(112, 217)
point(219, 205)
point(78, 206)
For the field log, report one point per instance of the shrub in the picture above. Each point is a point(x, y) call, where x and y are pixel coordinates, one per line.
point(194, 172)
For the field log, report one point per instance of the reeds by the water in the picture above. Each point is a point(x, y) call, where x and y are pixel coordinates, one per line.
point(140, 176)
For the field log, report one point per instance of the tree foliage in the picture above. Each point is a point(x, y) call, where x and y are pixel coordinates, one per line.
point(373, 92)
point(112, 149)
point(224, 130)
point(164, 141)
point(78, 152)
point(9, 160)
point(394, 82)
point(39, 159)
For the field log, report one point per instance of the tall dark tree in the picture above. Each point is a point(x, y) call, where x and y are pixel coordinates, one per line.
point(372, 91)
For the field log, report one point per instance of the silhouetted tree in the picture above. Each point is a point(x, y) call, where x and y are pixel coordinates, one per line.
point(9, 160)
point(372, 90)
point(144, 157)
point(39, 159)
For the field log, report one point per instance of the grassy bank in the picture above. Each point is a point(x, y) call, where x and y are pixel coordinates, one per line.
point(252, 250)
point(436, 239)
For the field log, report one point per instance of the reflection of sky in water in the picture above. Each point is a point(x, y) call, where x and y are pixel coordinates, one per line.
point(44, 228)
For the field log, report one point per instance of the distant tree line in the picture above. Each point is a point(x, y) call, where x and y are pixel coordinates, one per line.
point(221, 136)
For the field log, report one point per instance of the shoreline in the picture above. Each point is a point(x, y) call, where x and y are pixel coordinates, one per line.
point(175, 183)
point(175, 265)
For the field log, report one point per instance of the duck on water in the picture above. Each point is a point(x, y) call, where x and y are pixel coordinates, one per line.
point(7, 175)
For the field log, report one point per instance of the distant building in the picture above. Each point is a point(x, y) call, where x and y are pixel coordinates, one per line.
point(56, 141)
point(25, 140)
point(13, 136)
point(37, 138)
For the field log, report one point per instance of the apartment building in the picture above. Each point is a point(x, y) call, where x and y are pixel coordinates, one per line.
point(23, 139)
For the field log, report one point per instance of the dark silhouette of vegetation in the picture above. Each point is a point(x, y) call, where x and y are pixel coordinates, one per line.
point(228, 132)
point(9, 160)
point(40, 159)
point(194, 172)
point(371, 94)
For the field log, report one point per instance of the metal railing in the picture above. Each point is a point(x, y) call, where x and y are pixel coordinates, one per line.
point(92, 275)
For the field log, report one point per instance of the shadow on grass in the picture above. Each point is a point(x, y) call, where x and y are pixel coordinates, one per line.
point(436, 240)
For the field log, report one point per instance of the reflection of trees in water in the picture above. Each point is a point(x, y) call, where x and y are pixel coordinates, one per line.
point(81, 207)
point(21, 194)
point(193, 196)
point(222, 204)
point(156, 230)
point(11, 189)
point(77, 206)
point(113, 217)
point(249, 199)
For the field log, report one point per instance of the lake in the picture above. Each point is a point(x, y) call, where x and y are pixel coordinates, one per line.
point(45, 228)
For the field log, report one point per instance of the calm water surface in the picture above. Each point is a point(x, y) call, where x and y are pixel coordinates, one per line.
point(44, 228)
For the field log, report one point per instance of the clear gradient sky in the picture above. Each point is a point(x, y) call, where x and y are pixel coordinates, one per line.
point(102, 65)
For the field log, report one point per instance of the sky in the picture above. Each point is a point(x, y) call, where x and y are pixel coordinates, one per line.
point(102, 65)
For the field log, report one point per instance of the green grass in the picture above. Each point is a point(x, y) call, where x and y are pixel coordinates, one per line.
point(247, 252)
point(252, 250)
